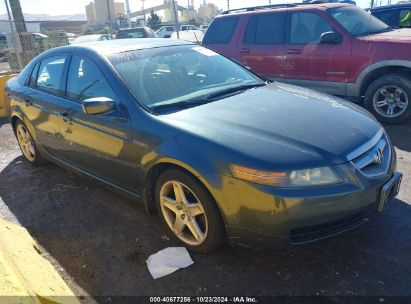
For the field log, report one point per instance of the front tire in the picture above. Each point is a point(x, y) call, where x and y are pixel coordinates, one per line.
point(189, 211)
point(389, 98)
point(27, 145)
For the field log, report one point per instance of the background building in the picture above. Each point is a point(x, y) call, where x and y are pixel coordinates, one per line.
point(101, 11)
point(91, 13)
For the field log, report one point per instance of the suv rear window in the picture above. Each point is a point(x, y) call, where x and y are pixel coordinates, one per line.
point(221, 30)
point(265, 29)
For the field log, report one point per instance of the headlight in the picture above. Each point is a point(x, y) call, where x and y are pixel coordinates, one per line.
point(298, 178)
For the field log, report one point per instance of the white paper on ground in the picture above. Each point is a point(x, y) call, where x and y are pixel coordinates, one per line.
point(167, 261)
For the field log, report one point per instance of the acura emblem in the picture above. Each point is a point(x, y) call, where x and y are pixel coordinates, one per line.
point(378, 156)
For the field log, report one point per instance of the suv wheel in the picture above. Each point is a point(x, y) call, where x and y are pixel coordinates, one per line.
point(189, 211)
point(389, 98)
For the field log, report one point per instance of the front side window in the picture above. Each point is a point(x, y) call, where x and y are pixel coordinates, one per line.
point(357, 21)
point(307, 28)
point(265, 29)
point(85, 80)
point(50, 74)
point(221, 30)
point(179, 73)
point(405, 18)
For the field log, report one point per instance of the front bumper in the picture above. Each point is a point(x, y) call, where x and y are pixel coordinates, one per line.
point(256, 213)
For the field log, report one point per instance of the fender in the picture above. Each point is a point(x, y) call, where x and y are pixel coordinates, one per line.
point(354, 89)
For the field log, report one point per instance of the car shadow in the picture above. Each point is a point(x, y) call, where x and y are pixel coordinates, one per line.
point(3, 121)
point(400, 135)
point(102, 241)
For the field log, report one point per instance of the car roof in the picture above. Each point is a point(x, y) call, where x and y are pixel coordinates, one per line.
point(110, 47)
point(392, 6)
point(286, 6)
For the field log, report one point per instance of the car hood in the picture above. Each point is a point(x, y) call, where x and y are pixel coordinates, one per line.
point(282, 126)
point(395, 36)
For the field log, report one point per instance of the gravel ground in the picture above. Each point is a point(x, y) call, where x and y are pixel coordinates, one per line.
point(99, 241)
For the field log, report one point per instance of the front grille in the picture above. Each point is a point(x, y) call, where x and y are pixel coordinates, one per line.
point(317, 232)
point(373, 158)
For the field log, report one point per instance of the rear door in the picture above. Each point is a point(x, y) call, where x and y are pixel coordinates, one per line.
point(220, 36)
point(308, 62)
point(99, 144)
point(44, 102)
point(262, 47)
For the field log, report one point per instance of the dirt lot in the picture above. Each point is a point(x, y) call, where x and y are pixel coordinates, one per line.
point(99, 241)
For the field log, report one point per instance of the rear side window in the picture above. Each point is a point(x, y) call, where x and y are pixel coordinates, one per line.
point(389, 17)
point(50, 75)
point(265, 29)
point(405, 18)
point(221, 30)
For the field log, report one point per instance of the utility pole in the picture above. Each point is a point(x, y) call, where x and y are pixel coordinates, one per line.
point(14, 38)
point(27, 44)
point(128, 12)
point(176, 19)
point(228, 4)
point(372, 3)
point(144, 13)
point(109, 18)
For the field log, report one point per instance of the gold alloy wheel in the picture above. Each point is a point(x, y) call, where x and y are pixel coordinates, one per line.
point(183, 213)
point(26, 142)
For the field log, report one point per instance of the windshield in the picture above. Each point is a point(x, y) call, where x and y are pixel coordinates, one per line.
point(357, 21)
point(174, 74)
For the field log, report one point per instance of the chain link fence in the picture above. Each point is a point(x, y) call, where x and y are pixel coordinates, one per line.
point(17, 50)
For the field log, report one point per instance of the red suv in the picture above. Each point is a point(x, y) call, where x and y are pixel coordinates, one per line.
point(339, 49)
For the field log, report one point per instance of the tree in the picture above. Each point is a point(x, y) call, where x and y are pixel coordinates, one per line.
point(153, 20)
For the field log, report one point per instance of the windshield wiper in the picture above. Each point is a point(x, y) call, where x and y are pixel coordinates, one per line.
point(181, 104)
point(232, 90)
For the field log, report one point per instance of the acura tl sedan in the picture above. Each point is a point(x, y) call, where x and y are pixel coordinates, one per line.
point(219, 153)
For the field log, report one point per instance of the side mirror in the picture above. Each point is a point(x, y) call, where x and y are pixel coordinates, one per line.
point(330, 38)
point(98, 106)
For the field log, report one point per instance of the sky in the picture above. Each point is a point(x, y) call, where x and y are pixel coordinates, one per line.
point(69, 7)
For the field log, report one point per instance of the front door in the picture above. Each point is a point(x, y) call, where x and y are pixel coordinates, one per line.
point(308, 62)
point(98, 144)
point(262, 48)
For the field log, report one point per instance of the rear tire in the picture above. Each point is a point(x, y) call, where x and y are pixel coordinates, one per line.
point(27, 145)
point(388, 98)
point(193, 216)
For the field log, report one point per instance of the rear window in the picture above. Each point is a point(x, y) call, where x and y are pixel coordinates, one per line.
point(221, 30)
point(265, 29)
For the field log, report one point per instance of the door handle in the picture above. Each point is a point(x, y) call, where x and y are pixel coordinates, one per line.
point(244, 51)
point(294, 51)
point(28, 102)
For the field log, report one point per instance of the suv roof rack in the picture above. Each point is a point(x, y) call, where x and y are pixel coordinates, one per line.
point(261, 7)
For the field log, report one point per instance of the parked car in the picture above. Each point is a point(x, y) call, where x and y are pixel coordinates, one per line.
point(167, 31)
point(204, 28)
point(195, 36)
point(339, 49)
point(396, 15)
point(213, 148)
point(136, 32)
point(90, 38)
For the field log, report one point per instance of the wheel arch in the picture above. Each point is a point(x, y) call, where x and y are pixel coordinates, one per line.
point(169, 164)
point(376, 70)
